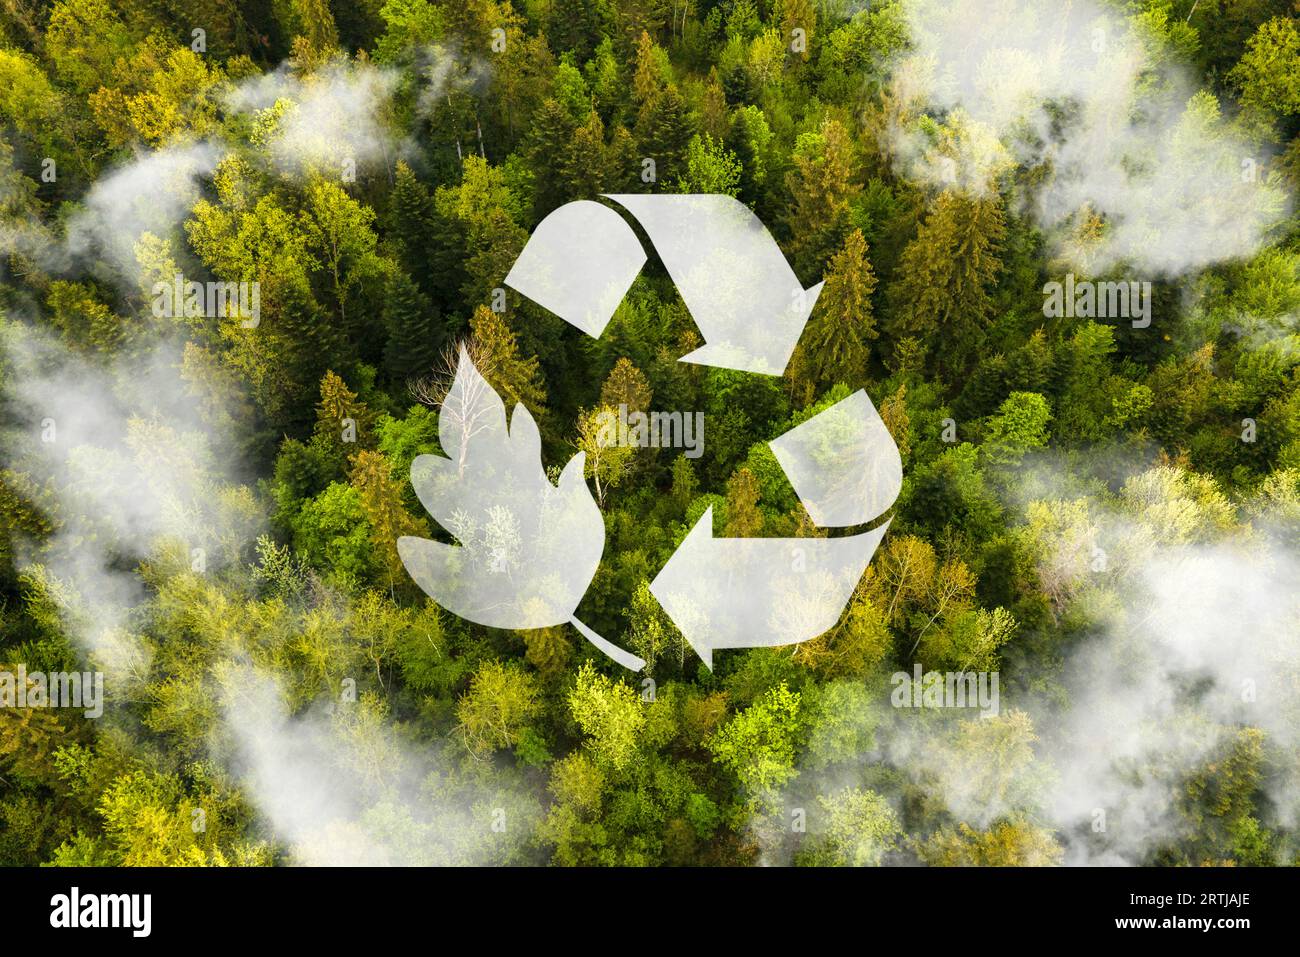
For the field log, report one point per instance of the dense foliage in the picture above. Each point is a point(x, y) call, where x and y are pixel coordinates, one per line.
point(214, 522)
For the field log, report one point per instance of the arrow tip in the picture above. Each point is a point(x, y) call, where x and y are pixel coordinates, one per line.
point(809, 300)
point(670, 587)
point(766, 355)
point(725, 355)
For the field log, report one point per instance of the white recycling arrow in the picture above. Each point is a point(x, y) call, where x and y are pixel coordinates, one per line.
point(579, 263)
point(741, 292)
point(754, 592)
point(749, 305)
point(759, 592)
point(842, 463)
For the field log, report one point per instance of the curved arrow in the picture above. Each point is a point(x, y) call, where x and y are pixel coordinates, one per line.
point(752, 592)
point(747, 301)
point(843, 463)
point(579, 263)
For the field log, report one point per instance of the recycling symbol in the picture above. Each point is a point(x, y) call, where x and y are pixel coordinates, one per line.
point(528, 548)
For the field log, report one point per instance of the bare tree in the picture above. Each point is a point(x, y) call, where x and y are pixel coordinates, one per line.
point(464, 411)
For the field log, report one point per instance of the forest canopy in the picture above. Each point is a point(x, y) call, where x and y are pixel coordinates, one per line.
point(242, 246)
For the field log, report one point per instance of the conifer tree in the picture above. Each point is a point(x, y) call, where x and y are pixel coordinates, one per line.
point(413, 224)
point(381, 500)
point(343, 422)
point(514, 377)
point(626, 385)
point(574, 26)
point(685, 484)
point(587, 163)
point(823, 185)
point(744, 520)
point(945, 275)
point(622, 162)
point(550, 149)
point(663, 133)
point(415, 334)
point(834, 346)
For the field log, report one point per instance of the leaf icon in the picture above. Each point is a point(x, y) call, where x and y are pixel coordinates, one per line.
point(528, 549)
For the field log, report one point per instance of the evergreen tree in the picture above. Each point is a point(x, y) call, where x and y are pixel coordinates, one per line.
point(587, 167)
point(834, 346)
point(574, 26)
point(414, 225)
point(416, 336)
point(626, 385)
point(663, 133)
point(344, 423)
point(514, 377)
point(550, 153)
point(945, 276)
point(622, 161)
point(823, 186)
point(744, 520)
point(389, 520)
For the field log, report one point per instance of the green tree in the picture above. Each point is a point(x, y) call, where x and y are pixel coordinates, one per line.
point(945, 276)
point(860, 829)
point(415, 332)
point(501, 702)
point(332, 533)
point(626, 385)
point(758, 744)
point(1017, 843)
point(610, 716)
point(415, 226)
point(339, 232)
point(515, 378)
point(381, 501)
point(1019, 426)
point(551, 156)
point(574, 26)
point(834, 345)
point(316, 22)
point(83, 320)
point(744, 520)
point(663, 134)
point(608, 461)
point(1268, 73)
point(710, 168)
point(823, 187)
